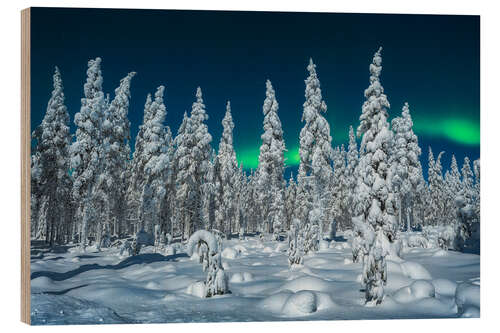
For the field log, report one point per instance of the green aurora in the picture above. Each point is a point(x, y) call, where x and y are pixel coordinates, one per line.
point(460, 130)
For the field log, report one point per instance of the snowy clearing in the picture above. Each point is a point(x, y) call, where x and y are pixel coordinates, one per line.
point(73, 287)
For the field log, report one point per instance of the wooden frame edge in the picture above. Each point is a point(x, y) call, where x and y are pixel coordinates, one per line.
point(25, 164)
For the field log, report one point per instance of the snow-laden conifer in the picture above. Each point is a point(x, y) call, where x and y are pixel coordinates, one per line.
point(316, 153)
point(192, 158)
point(352, 160)
point(405, 165)
point(116, 137)
point(270, 181)
point(375, 198)
point(50, 170)
point(435, 214)
point(227, 177)
point(209, 251)
point(87, 151)
point(155, 159)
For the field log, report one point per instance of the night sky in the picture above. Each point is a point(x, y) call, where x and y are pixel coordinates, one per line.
point(430, 61)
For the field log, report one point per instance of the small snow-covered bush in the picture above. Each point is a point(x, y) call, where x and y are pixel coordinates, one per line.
point(208, 248)
point(416, 240)
point(467, 298)
point(295, 245)
point(126, 248)
point(230, 253)
point(417, 290)
point(241, 277)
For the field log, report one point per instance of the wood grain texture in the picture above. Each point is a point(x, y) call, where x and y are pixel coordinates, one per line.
point(25, 165)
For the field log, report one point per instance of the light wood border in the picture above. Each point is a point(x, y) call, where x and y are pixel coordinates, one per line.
point(25, 165)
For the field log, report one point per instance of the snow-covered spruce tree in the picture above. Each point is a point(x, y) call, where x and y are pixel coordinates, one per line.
point(435, 212)
point(209, 192)
point(156, 164)
point(51, 170)
point(116, 137)
point(176, 208)
point(340, 216)
point(295, 244)
point(227, 177)
point(315, 156)
point(250, 204)
point(467, 180)
point(136, 171)
point(405, 165)
point(87, 151)
point(375, 197)
point(270, 181)
point(467, 220)
point(193, 157)
point(241, 198)
point(303, 199)
point(166, 210)
point(290, 201)
point(38, 228)
point(206, 244)
point(477, 189)
point(421, 199)
point(350, 173)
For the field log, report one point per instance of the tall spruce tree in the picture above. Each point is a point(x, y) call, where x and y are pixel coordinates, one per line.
point(116, 138)
point(373, 188)
point(270, 182)
point(193, 158)
point(405, 165)
point(87, 152)
point(228, 174)
point(50, 170)
point(316, 155)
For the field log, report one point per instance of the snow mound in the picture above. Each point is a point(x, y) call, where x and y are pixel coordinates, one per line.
point(170, 250)
point(241, 277)
point(196, 289)
point(415, 271)
point(281, 247)
point(301, 303)
point(417, 290)
point(230, 253)
point(347, 261)
point(445, 287)
point(307, 283)
point(267, 249)
point(225, 265)
point(240, 248)
point(323, 245)
point(467, 299)
point(440, 253)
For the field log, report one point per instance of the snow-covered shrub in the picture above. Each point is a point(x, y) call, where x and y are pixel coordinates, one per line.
point(467, 298)
point(416, 240)
point(323, 245)
point(467, 221)
point(417, 290)
point(311, 231)
point(229, 253)
point(208, 247)
point(126, 248)
point(446, 237)
point(295, 245)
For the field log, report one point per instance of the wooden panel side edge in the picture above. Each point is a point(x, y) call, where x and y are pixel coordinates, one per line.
point(25, 165)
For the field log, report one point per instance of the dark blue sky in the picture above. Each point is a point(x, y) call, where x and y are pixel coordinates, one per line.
point(431, 61)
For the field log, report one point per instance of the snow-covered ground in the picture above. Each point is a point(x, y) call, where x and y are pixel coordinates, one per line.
point(74, 287)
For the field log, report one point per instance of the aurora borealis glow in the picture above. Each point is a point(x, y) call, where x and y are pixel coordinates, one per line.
point(431, 61)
